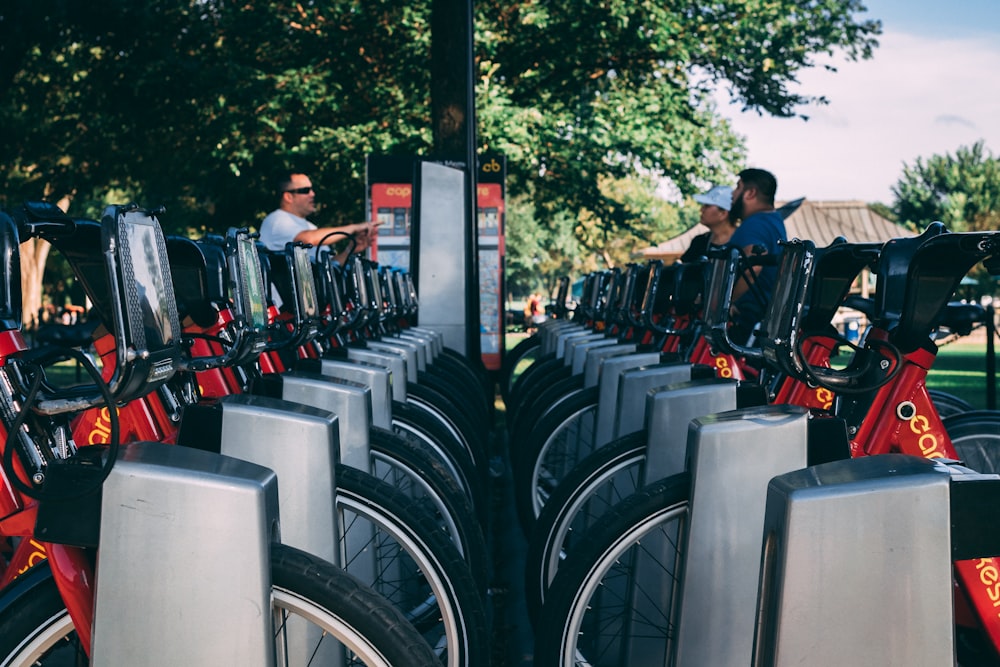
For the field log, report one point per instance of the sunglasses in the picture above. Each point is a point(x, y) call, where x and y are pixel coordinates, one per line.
point(300, 191)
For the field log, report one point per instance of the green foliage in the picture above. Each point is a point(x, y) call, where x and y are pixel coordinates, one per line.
point(538, 254)
point(194, 103)
point(960, 190)
point(618, 88)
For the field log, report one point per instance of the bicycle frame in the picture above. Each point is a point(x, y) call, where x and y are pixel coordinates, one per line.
point(72, 568)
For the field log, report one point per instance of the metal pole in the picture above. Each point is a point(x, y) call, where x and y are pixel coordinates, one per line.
point(473, 345)
point(991, 360)
point(453, 110)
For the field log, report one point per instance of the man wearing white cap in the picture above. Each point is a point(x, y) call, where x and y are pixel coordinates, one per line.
point(715, 206)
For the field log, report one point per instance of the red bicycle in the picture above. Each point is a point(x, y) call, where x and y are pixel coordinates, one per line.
point(46, 609)
point(883, 406)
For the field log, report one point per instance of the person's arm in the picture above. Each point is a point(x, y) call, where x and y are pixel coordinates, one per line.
point(361, 232)
point(328, 235)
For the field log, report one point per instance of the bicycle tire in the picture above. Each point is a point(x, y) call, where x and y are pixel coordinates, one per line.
point(464, 397)
point(418, 423)
point(543, 404)
point(408, 469)
point(471, 436)
point(948, 404)
point(544, 366)
point(976, 437)
point(458, 372)
point(582, 499)
point(550, 400)
point(563, 438)
point(432, 584)
point(595, 608)
point(526, 350)
point(35, 626)
point(473, 370)
point(525, 411)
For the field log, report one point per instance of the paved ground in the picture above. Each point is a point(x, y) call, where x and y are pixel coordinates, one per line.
point(513, 643)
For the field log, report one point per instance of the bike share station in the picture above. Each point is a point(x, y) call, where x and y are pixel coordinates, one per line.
point(154, 500)
point(843, 562)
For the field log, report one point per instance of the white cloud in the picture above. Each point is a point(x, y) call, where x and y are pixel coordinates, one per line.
point(917, 97)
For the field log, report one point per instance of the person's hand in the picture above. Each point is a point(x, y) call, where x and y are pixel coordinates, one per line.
point(362, 239)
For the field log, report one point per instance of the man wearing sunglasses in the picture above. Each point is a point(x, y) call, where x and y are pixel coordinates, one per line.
point(288, 222)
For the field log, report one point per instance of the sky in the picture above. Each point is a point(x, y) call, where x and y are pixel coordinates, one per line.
point(932, 86)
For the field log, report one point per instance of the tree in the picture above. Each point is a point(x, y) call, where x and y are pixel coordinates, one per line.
point(960, 190)
point(540, 252)
point(576, 92)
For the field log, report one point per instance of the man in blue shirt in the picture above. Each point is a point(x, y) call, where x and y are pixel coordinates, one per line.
point(759, 231)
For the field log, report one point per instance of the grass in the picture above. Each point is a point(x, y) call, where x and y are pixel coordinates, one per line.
point(960, 369)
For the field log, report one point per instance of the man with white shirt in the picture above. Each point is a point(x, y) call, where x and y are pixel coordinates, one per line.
point(288, 222)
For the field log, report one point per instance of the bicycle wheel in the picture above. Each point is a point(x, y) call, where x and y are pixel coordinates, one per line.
point(458, 381)
point(468, 399)
point(515, 361)
point(414, 421)
point(614, 601)
point(544, 366)
point(350, 618)
point(476, 371)
point(406, 558)
point(549, 402)
point(472, 436)
point(536, 397)
point(976, 437)
point(582, 499)
point(563, 438)
point(408, 469)
point(948, 404)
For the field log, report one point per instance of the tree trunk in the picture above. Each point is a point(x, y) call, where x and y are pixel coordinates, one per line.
point(34, 253)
